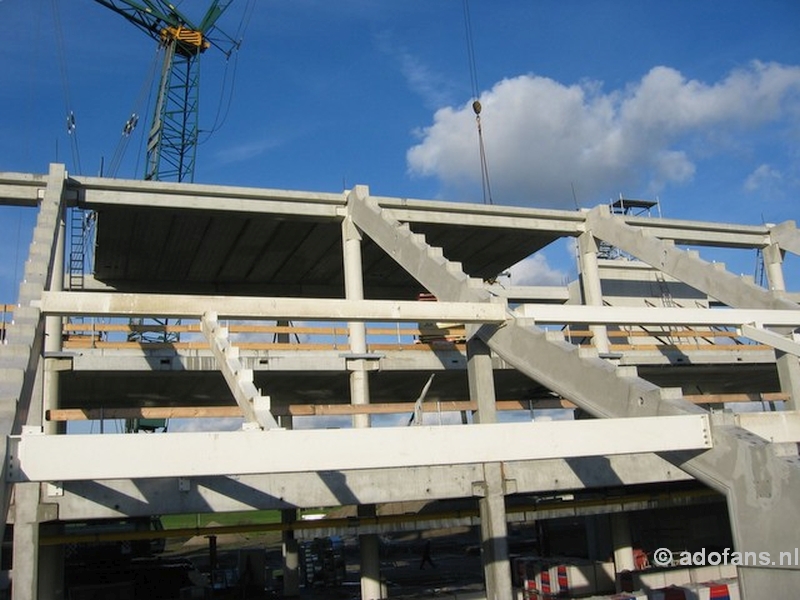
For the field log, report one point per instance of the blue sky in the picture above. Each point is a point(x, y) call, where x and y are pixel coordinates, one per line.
point(694, 102)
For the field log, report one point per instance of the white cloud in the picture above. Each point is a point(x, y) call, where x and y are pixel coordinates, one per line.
point(433, 87)
point(764, 178)
point(246, 150)
point(422, 80)
point(192, 425)
point(534, 270)
point(543, 136)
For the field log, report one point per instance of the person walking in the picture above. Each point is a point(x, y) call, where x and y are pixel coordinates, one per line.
point(426, 556)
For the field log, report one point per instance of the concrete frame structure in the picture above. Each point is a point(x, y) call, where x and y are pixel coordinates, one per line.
point(752, 461)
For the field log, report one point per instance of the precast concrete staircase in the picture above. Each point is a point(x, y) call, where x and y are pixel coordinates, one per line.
point(442, 277)
point(21, 353)
point(255, 407)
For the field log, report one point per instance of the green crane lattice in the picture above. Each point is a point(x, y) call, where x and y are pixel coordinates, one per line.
point(173, 135)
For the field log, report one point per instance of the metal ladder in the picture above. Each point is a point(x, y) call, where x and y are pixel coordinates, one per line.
point(78, 220)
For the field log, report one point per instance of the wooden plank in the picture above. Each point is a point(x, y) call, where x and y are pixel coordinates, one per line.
point(215, 412)
point(184, 412)
point(689, 347)
point(307, 410)
point(723, 398)
point(663, 333)
point(238, 328)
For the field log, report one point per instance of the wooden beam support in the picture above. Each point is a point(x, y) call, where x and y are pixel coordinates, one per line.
point(317, 410)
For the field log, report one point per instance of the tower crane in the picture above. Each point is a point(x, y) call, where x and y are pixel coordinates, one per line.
point(173, 136)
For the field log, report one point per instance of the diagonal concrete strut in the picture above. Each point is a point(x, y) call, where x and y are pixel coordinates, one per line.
point(710, 278)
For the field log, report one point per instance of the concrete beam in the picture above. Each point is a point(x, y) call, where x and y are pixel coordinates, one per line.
point(26, 190)
point(779, 427)
point(631, 315)
point(554, 222)
point(770, 338)
point(240, 307)
point(530, 293)
point(97, 192)
point(569, 223)
point(701, 233)
point(22, 189)
point(37, 457)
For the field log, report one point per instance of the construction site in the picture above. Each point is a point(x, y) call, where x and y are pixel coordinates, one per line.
point(218, 391)
point(276, 307)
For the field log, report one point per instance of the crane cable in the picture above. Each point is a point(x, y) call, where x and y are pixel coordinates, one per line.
point(228, 88)
point(476, 107)
point(130, 125)
point(71, 122)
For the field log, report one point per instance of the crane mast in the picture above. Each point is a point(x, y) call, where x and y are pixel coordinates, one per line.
point(173, 135)
point(172, 138)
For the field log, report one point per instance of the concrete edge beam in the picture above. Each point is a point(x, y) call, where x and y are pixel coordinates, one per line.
point(37, 457)
point(241, 307)
point(627, 315)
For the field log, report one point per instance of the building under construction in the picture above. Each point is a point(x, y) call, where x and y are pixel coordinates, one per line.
point(204, 302)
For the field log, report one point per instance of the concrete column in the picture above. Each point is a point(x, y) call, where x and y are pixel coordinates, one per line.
point(51, 558)
point(788, 367)
point(491, 504)
point(212, 554)
point(370, 562)
point(291, 557)
point(25, 572)
point(51, 567)
point(773, 258)
point(290, 547)
point(369, 546)
point(590, 282)
point(481, 380)
point(494, 534)
point(52, 342)
point(623, 546)
point(354, 290)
